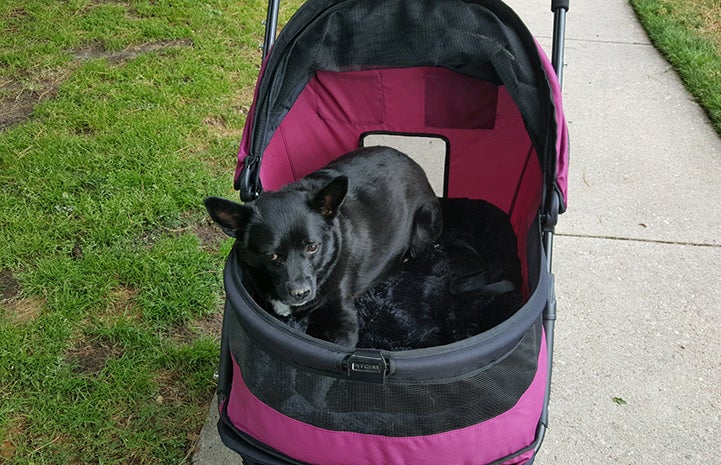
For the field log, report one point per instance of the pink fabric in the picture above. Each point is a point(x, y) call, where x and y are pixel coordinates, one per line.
point(474, 445)
point(336, 109)
point(562, 154)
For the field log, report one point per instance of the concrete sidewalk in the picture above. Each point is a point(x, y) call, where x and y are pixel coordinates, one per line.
point(637, 372)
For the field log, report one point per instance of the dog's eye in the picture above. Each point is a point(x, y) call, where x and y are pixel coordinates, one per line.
point(311, 248)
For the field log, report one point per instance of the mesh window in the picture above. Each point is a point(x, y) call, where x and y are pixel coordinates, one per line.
point(397, 407)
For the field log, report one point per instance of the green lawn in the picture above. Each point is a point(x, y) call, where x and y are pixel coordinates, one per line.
point(688, 33)
point(116, 119)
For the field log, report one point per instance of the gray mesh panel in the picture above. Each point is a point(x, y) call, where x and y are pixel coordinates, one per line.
point(397, 407)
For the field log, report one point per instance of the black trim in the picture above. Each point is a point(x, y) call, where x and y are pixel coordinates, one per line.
point(418, 364)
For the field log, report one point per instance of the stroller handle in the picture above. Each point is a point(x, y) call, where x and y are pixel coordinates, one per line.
point(558, 4)
point(559, 8)
point(271, 26)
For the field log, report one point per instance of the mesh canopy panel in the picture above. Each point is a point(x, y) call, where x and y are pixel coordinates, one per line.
point(363, 34)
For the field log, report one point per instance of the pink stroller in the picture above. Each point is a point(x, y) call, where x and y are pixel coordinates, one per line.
point(463, 87)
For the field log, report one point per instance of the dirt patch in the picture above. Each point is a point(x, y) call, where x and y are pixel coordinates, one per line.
point(169, 388)
point(219, 126)
point(7, 449)
point(121, 302)
point(181, 333)
point(205, 326)
point(20, 95)
point(97, 51)
point(23, 310)
point(210, 236)
point(90, 357)
point(210, 325)
point(712, 24)
point(14, 306)
point(9, 286)
point(13, 436)
point(16, 105)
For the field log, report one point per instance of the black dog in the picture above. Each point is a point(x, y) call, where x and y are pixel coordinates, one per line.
point(314, 246)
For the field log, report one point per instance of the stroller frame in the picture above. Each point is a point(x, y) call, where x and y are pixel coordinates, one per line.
point(551, 206)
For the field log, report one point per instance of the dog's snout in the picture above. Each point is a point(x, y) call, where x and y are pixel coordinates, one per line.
point(300, 293)
point(299, 287)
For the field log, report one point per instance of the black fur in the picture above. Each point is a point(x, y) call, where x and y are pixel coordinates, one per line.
point(314, 246)
point(468, 284)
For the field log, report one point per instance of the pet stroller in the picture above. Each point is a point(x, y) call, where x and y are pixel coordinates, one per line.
point(464, 85)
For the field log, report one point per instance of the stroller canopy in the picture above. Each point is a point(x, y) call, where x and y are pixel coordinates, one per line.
point(345, 73)
point(483, 40)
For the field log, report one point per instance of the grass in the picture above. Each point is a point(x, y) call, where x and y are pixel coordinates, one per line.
point(116, 119)
point(688, 33)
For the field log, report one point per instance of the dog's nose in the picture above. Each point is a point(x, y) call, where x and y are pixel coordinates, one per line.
point(300, 293)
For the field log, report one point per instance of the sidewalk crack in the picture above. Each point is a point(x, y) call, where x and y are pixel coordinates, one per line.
point(636, 239)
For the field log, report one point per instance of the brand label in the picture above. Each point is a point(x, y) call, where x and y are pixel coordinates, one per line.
point(366, 367)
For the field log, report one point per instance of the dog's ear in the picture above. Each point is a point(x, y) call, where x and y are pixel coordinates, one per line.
point(230, 216)
point(328, 199)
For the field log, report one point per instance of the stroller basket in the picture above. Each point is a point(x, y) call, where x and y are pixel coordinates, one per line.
point(465, 85)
